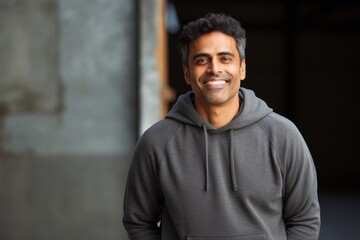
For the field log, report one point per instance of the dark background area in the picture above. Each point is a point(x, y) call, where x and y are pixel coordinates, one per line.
point(303, 60)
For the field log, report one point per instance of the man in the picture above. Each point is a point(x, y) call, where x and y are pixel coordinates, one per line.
point(221, 165)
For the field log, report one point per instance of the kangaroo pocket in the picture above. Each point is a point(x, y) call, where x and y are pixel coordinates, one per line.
point(257, 236)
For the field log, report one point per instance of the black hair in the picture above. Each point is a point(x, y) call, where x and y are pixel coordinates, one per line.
point(211, 22)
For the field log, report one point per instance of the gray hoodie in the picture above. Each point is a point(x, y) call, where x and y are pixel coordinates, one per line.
point(252, 179)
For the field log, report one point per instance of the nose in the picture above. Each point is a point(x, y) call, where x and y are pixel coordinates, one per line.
point(214, 67)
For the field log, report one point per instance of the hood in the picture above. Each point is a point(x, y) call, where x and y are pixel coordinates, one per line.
point(252, 109)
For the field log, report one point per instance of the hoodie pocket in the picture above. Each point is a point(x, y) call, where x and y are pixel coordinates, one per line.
point(257, 236)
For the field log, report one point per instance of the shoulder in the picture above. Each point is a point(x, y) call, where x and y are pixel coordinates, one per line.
point(158, 134)
point(286, 139)
point(150, 147)
point(279, 126)
point(284, 134)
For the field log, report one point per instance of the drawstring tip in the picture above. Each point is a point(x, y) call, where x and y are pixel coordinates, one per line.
point(235, 188)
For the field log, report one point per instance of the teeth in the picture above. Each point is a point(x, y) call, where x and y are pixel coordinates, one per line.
point(216, 82)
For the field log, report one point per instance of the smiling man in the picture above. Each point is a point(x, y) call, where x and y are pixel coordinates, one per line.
point(214, 71)
point(221, 165)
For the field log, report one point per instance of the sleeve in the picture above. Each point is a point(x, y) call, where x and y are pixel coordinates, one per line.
point(143, 196)
point(301, 206)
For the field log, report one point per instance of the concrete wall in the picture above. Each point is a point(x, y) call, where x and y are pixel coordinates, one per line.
point(95, 66)
point(59, 198)
point(149, 76)
point(28, 62)
point(69, 78)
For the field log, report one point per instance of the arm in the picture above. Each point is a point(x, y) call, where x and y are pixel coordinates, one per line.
point(143, 197)
point(301, 206)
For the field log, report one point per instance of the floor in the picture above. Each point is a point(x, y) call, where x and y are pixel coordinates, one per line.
point(81, 198)
point(340, 214)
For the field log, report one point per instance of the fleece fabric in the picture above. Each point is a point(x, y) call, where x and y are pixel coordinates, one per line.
point(252, 179)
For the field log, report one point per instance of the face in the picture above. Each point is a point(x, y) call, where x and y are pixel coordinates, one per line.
point(214, 69)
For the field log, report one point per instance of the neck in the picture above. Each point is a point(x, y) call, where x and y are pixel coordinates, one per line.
point(219, 115)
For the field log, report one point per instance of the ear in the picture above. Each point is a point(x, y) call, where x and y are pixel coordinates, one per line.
point(242, 69)
point(186, 74)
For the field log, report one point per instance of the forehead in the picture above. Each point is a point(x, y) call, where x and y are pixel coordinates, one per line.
point(212, 43)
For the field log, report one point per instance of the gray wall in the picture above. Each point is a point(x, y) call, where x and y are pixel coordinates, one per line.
point(60, 198)
point(93, 70)
point(68, 114)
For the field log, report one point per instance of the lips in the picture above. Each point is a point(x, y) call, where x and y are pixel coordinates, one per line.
point(216, 82)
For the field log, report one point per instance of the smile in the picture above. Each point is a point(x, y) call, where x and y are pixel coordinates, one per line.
point(216, 82)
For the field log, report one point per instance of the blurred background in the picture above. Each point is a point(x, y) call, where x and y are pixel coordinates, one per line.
point(81, 80)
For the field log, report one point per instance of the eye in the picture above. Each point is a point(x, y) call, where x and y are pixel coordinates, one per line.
point(226, 59)
point(201, 61)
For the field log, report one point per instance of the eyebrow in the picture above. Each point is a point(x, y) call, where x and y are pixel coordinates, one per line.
point(207, 55)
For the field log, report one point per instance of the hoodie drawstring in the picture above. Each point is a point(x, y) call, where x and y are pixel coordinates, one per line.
point(206, 158)
point(232, 163)
point(232, 160)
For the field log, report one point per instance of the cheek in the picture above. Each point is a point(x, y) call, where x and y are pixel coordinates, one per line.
point(236, 73)
point(197, 75)
point(240, 74)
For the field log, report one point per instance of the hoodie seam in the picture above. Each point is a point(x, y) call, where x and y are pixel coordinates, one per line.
point(272, 145)
point(162, 152)
point(169, 138)
point(278, 160)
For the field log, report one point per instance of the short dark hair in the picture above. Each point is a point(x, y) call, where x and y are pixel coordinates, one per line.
point(211, 22)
